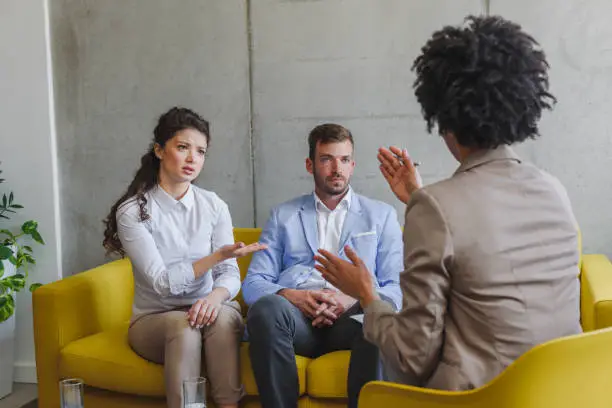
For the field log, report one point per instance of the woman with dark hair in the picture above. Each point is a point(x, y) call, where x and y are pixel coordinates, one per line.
point(179, 239)
point(491, 253)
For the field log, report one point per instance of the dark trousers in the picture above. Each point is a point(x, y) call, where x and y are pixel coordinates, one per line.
point(278, 331)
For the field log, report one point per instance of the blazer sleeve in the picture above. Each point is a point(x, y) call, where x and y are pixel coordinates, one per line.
point(265, 266)
point(411, 340)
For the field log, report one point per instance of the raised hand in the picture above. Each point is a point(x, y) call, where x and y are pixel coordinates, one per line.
point(400, 172)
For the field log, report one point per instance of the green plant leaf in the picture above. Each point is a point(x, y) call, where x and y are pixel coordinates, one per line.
point(15, 282)
point(28, 248)
point(16, 206)
point(7, 306)
point(7, 232)
point(4, 216)
point(29, 259)
point(29, 227)
point(38, 238)
point(1, 269)
point(11, 197)
point(5, 252)
point(13, 260)
point(4, 200)
point(35, 286)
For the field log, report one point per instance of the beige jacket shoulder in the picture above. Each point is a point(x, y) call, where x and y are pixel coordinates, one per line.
point(491, 266)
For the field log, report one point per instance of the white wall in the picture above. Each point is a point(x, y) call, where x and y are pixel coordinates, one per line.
point(27, 149)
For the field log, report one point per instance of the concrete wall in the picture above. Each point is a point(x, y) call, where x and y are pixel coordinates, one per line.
point(121, 63)
point(27, 151)
point(343, 61)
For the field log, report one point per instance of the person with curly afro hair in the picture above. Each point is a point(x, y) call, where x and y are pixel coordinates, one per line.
point(491, 253)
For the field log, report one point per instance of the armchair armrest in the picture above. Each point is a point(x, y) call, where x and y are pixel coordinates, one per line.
point(377, 394)
point(73, 308)
point(596, 292)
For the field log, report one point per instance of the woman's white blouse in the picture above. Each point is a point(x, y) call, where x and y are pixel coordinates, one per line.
point(164, 247)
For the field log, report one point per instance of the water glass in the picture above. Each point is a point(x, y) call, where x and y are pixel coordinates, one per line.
point(71, 393)
point(194, 392)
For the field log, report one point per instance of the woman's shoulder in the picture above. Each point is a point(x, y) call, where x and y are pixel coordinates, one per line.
point(208, 198)
point(130, 208)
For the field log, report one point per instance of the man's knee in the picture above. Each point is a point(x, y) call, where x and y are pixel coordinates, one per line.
point(267, 313)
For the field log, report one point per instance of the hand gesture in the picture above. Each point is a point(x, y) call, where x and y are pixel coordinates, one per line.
point(400, 172)
point(351, 277)
point(239, 249)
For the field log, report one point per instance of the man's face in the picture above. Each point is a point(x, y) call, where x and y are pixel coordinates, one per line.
point(332, 167)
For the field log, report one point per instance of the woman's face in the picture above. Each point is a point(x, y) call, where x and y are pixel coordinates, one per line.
point(183, 156)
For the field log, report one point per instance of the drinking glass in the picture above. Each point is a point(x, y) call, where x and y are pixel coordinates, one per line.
point(194, 392)
point(71, 393)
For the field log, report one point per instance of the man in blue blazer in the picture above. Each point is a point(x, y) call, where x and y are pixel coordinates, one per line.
point(293, 310)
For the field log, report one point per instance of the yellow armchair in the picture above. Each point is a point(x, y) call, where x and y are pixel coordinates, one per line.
point(595, 292)
point(73, 309)
point(565, 373)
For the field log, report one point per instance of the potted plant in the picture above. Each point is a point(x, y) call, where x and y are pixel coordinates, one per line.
point(15, 258)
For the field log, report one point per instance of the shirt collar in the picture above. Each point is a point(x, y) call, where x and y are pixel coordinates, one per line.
point(345, 202)
point(168, 203)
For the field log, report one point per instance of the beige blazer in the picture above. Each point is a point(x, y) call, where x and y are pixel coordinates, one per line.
point(491, 270)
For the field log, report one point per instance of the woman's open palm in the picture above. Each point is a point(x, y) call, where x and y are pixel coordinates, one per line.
point(399, 171)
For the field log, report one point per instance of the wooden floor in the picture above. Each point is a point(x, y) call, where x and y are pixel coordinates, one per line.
point(22, 394)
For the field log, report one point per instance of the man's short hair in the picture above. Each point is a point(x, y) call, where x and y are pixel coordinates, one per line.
point(327, 133)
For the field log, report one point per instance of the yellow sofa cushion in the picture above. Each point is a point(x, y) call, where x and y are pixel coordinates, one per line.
point(106, 360)
point(326, 376)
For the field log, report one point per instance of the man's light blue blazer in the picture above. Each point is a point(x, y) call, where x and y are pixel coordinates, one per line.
point(370, 228)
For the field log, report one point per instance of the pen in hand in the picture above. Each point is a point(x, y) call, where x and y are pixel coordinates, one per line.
point(401, 161)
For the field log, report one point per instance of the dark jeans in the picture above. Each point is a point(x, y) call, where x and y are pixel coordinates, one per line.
point(278, 331)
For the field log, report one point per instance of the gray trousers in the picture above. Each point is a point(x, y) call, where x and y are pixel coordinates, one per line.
point(278, 331)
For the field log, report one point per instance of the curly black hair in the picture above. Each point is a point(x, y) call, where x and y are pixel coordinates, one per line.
point(486, 82)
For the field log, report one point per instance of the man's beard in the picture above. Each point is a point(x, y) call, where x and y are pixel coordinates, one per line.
point(327, 188)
